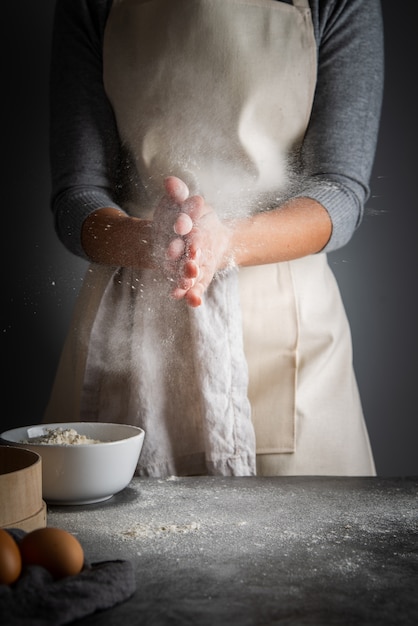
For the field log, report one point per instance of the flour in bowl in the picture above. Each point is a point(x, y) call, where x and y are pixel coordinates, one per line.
point(62, 436)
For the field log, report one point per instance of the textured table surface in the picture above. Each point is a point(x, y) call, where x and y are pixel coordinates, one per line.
point(258, 551)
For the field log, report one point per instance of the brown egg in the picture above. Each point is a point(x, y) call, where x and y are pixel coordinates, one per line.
point(55, 549)
point(10, 559)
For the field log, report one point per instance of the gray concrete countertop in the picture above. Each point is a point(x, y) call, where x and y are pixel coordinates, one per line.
point(258, 551)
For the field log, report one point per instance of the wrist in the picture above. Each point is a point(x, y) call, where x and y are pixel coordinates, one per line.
point(111, 237)
point(228, 258)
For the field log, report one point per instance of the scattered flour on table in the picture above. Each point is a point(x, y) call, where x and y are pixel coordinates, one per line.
point(147, 530)
point(62, 436)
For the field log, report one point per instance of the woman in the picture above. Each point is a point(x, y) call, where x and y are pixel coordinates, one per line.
point(206, 155)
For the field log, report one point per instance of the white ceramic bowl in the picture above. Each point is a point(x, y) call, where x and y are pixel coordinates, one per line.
point(83, 473)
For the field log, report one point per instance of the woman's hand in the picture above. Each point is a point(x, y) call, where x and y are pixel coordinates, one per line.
point(170, 225)
point(193, 238)
point(207, 244)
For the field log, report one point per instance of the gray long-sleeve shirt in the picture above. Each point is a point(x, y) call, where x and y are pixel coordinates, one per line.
point(338, 148)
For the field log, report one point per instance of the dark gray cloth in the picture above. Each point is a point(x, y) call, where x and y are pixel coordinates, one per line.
point(36, 599)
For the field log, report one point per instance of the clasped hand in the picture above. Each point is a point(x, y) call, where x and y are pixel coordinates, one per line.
point(191, 243)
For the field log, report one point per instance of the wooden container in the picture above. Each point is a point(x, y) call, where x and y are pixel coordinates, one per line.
point(21, 504)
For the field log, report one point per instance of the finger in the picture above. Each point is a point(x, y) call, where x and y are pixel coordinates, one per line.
point(183, 224)
point(176, 188)
point(190, 269)
point(193, 298)
point(194, 295)
point(196, 207)
point(178, 293)
point(175, 249)
point(184, 284)
point(194, 251)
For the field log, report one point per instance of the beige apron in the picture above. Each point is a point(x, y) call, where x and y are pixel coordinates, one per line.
point(219, 93)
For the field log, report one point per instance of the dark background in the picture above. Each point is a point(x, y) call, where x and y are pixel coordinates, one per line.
point(377, 270)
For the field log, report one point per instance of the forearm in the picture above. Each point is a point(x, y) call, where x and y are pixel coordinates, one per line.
point(299, 228)
point(296, 229)
point(111, 237)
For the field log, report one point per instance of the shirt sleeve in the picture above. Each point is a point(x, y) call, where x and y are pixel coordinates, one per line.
point(84, 144)
point(340, 142)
